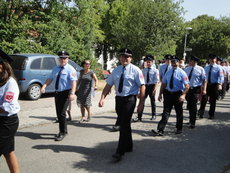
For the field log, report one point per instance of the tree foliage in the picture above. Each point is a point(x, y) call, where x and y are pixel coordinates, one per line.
point(89, 28)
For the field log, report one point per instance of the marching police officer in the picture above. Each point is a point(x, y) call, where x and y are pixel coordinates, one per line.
point(151, 75)
point(175, 85)
point(197, 83)
point(128, 80)
point(166, 66)
point(65, 78)
point(214, 78)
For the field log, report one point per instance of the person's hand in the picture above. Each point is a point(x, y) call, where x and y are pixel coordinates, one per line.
point(101, 103)
point(43, 90)
point(204, 92)
point(95, 88)
point(219, 87)
point(71, 97)
point(182, 98)
point(160, 97)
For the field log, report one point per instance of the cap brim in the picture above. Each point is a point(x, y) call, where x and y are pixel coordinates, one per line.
point(63, 56)
point(126, 54)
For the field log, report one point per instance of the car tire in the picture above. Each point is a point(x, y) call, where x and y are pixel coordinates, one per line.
point(34, 92)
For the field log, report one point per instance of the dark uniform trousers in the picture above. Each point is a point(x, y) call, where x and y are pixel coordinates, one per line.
point(213, 94)
point(149, 92)
point(171, 99)
point(192, 99)
point(124, 108)
point(61, 103)
point(224, 88)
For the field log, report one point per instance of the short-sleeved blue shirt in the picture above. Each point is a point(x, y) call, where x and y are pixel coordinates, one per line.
point(153, 75)
point(180, 79)
point(163, 69)
point(133, 79)
point(217, 75)
point(68, 75)
point(198, 75)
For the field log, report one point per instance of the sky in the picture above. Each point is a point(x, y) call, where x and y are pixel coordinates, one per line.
point(216, 8)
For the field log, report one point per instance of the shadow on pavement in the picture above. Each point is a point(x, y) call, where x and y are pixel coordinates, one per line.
point(204, 149)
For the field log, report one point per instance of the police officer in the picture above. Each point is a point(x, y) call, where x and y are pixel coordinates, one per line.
point(151, 75)
point(175, 85)
point(65, 78)
point(197, 83)
point(128, 80)
point(9, 107)
point(225, 71)
point(214, 78)
point(166, 66)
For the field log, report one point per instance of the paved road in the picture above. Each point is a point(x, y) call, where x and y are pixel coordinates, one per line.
point(89, 146)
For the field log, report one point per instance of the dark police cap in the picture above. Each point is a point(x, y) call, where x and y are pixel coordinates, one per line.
point(175, 58)
point(5, 57)
point(63, 54)
point(212, 56)
point(168, 56)
point(194, 58)
point(149, 58)
point(126, 52)
point(219, 58)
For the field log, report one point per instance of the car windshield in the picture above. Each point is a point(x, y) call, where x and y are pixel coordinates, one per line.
point(19, 62)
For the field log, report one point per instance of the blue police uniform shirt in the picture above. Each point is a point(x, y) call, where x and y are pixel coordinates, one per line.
point(163, 68)
point(225, 71)
point(153, 75)
point(133, 79)
point(198, 75)
point(9, 97)
point(180, 79)
point(68, 75)
point(217, 75)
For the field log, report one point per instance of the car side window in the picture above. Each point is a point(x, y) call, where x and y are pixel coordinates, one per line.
point(36, 64)
point(48, 63)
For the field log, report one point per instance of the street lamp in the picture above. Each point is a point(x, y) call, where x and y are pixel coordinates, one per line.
point(185, 40)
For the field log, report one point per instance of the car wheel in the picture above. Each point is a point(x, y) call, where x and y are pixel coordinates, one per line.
point(34, 92)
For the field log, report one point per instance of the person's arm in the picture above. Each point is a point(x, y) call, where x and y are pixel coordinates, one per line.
point(47, 83)
point(155, 88)
point(163, 86)
point(204, 87)
point(140, 106)
point(104, 93)
point(95, 81)
point(182, 97)
point(73, 90)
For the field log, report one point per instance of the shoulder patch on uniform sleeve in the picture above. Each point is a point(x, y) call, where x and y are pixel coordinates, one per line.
point(185, 78)
point(141, 75)
point(74, 74)
point(9, 96)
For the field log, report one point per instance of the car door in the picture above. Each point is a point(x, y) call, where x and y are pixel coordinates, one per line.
point(48, 63)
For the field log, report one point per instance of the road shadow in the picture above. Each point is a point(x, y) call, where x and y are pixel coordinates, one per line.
point(204, 149)
point(35, 136)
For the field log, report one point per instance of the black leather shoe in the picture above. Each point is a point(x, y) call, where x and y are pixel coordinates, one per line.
point(136, 119)
point(153, 117)
point(117, 157)
point(60, 137)
point(192, 126)
point(158, 133)
point(116, 128)
point(211, 118)
point(178, 132)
